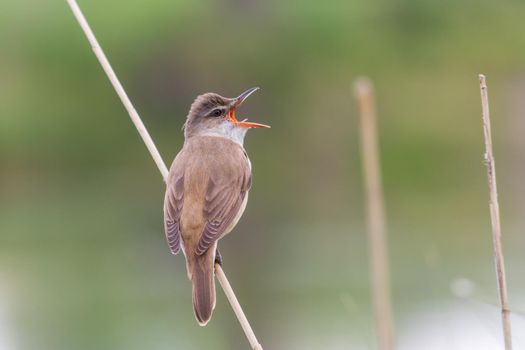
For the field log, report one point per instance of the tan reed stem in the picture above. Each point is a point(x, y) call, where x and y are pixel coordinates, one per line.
point(378, 245)
point(237, 308)
point(157, 158)
point(494, 215)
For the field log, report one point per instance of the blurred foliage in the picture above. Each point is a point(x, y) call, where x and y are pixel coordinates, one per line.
point(83, 261)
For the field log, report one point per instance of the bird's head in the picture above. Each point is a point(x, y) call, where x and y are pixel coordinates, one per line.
point(212, 114)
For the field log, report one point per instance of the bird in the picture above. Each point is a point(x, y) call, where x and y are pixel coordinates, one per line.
point(207, 190)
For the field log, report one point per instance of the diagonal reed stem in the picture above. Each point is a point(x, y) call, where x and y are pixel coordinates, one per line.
point(494, 215)
point(157, 158)
point(375, 208)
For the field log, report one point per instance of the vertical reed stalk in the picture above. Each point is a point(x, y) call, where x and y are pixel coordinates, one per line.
point(157, 158)
point(494, 215)
point(378, 245)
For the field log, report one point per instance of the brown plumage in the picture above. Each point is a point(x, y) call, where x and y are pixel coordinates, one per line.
point(207, 191)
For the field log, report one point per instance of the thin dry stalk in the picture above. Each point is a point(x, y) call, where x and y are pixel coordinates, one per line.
point(237, 308)
point(375, 216)
point(158, 159)
point(494, 215)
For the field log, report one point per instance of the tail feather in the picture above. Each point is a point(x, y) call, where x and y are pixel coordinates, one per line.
point(203, 282)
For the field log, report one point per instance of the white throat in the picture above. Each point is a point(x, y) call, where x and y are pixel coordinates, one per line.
point(227, 130)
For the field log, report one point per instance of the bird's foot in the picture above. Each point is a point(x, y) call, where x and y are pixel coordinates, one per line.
point(218, 257)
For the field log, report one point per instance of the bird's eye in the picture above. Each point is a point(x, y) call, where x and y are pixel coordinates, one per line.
point(216, 112)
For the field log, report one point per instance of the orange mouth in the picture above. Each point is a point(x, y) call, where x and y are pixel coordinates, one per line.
point(244, 123)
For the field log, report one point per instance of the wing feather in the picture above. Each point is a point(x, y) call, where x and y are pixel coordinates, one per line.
point(172, 211)
point(223, 202)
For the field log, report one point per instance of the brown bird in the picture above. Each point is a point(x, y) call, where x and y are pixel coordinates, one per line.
point(207, 190)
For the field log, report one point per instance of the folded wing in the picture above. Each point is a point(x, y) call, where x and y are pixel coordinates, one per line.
point(224, 199)
point(172, 211)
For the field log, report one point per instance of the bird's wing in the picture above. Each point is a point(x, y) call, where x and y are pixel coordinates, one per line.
point(173, 208)
point(224, 198)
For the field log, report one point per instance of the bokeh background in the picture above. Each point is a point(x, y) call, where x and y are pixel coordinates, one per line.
point(83, 259)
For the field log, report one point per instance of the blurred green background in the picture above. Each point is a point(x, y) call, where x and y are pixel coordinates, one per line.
point(83, 259)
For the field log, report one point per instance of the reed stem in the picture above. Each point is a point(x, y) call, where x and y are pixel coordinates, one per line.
point(494, 215)
point(376, 221)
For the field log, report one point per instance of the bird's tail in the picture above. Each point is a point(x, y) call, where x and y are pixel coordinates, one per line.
point(203, 281)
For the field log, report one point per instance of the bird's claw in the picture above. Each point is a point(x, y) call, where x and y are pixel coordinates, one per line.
point(218, 257)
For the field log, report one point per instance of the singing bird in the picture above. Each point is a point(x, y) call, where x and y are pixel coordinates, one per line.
point(207, 190)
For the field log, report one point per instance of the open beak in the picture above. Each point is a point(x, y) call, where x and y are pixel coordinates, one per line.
point(237, 102)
